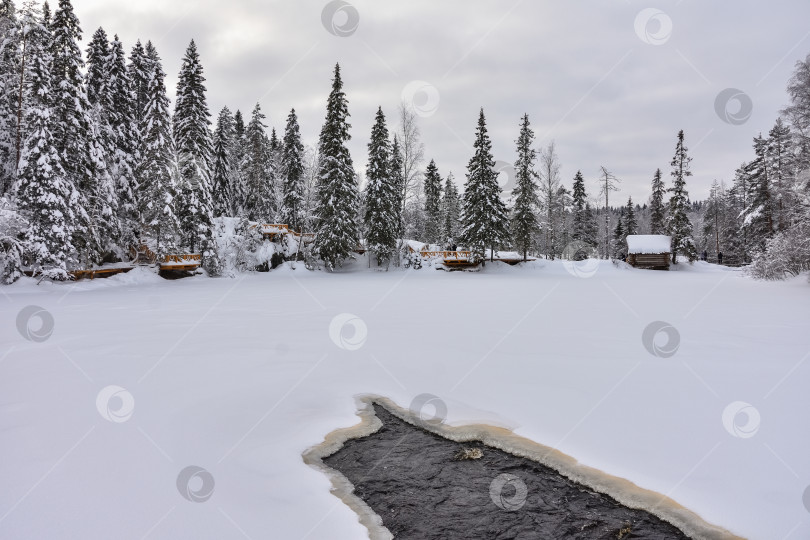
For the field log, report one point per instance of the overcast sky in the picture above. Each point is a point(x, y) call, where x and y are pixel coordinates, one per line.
point(611, 81)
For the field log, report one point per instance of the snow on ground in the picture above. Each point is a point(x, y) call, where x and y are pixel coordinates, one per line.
point(143, 377)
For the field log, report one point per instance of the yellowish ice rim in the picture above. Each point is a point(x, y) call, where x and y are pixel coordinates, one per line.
point(620, 489)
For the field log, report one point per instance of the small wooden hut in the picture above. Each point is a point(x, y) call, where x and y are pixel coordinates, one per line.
point(650, 251)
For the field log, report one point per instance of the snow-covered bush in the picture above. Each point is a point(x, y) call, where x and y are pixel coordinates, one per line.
point(12, 249)
point(786, 254)
point(241, 248)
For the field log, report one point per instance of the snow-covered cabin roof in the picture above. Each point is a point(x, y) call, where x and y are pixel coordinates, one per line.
point(648, 244)
point(415, 245)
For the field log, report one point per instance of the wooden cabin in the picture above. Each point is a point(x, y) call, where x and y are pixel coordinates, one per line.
point(649, 251)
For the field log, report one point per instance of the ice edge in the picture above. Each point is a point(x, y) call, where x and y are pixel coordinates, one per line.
point(622, 490)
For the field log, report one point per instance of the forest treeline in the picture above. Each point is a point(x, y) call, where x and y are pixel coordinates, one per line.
point(94, 161)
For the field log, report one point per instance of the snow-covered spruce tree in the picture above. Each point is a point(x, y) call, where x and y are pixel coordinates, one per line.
point(139, 74)
point(98, 76)
point(433, 203)
point(485, 219)
point(618, 241)
point(255, 167)
point(583, 228)
point(13, 246)
point(678, 225)
point(101, 190)
point(758, 216)
point(398, 177)
point(224, 164)
point(192, 139)
point(630, 221)
point(527, 203)
point(125, 137)
point(338, 199)
point(102, 198)
point(658, 213)
point(70, 126)
point(781, 167)
point(238, 189)
point(275, 148)
point(291, 170)
point(381, 195)
point(43, 191)
point(451, 212)
point(12, 37)
point(156, 171)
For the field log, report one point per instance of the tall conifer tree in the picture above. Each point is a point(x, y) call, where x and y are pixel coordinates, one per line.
point(433, 203)
point(381, 194)
point(338, 199)
point(678, 225)
point(524, 214)
point(291, 171)
point(484, 215)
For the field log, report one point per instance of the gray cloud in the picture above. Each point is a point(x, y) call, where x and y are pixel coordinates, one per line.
point(578, 69)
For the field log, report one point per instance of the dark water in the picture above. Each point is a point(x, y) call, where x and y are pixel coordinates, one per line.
point(415, 481)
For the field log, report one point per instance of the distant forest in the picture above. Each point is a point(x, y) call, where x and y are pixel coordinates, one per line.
point(95, 161)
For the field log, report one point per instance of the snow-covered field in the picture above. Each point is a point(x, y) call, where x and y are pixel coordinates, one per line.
point(239, 376)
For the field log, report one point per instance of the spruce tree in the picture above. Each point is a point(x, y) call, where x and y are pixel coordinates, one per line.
point(782, 164)
point(433, 203)
point(484, 213)
point(524, 214)
point(758, 216)
point(157, 189)
point(12, 34)
point(398, 177)
point(678, 225)
point(451, 211)
point(584, 227)
point(70, 128)
point(192, 138)
point(292, 175)
point(256, 170)
point(630, 221)
point(619, 238)
point(381, 194)
point(125, 139)
point(338, 199)
point(224, 164)
point(239, 189)
point(43, 190)
point(139, 73)
point(658, 212)
point(98, 76)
